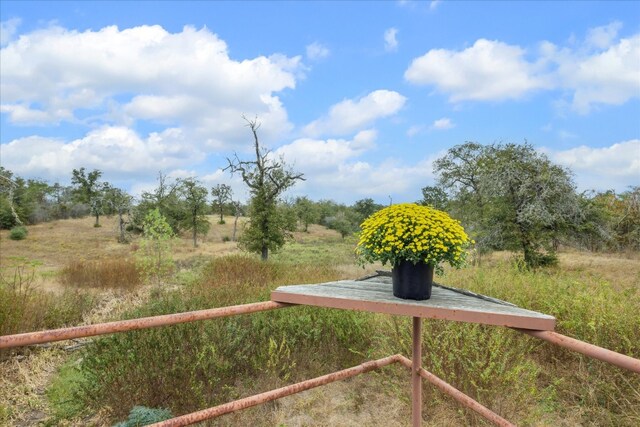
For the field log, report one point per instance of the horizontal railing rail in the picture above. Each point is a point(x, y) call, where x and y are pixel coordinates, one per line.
point(30, 338)
point(609, 356)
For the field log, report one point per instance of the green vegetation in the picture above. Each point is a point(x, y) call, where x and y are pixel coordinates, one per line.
point(211, 358)
point(512, 197)
point(142, 416)
point(89, 190)
point(195, 203)
point(61, 392)
point(507, 196)
point(18, 233)
point(191, 366)
point(222, 195)
point(154, 258)
point(267, 179)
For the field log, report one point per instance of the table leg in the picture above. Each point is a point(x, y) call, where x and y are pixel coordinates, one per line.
point(416, 380)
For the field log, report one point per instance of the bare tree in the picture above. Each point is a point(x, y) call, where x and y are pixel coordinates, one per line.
point(267, 178)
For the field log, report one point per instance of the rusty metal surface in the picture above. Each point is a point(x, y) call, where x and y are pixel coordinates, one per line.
point(375, 295)
point(459, 396)
point(19, 340)
point(268, 396)
point(620, 360)
point(416, 382)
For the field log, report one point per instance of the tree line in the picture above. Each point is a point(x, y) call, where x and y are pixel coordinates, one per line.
point(507, 196)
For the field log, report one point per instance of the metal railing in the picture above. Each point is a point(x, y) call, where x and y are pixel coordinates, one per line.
point(24, 339)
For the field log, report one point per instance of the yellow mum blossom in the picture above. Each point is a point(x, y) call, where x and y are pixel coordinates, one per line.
point(412, 232)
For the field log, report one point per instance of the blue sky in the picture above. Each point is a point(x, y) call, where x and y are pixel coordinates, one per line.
point(361, 97)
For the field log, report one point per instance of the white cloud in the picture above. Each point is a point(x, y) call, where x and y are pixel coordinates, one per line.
point(489, 70)
point(317, 155)
point(348, 116)
point(434, 4)
point(185, 78)
point(8, 29)
point(317, 51)
point(610, 76)
point(390, 41)
point(414, 130)
point(613, 167)
point(442, 124)
point(603, 69)
point(602, 37)
point(335, 167)
point(112, 149)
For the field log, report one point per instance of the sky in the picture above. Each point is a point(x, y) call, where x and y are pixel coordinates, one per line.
point(361, 97)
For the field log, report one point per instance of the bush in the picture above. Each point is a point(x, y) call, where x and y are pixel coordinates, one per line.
point(18, 233)
point(142, 416)
point(114, 273)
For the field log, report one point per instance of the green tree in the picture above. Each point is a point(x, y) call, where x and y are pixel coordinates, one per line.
point(306, 212)
point(88, 190)
point(434, 197)
point(627, 220)
point(22, 201)
point(119, 202)
point(619, 216)
point(343, 225)
point(195, 199)
point(510, 197)
point(166, 198)
point(221, 194)
point(267, 178)
point(365, 208)
point(10, 189)
point(154, 256)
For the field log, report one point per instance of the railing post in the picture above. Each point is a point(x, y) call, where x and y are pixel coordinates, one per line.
point(416, 380)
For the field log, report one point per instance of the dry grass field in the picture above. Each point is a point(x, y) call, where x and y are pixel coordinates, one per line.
point(36, 386)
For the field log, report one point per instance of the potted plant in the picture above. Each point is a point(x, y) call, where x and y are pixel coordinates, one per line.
point(415, 240)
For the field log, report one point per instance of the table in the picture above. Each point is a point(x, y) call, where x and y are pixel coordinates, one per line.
point(374, 294)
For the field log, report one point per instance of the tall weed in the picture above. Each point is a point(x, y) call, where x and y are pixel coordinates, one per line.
point(119, 273)
point(587, 308)
point(25, 308)
point(191, 366)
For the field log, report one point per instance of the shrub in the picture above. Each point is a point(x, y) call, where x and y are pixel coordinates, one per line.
point(18, 233)
point(119, 273)
point(142, 416)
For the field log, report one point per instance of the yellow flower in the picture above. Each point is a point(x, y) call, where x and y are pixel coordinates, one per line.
point(413, 232)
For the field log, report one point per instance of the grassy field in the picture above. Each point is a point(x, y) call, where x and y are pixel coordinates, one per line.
point(68, 272)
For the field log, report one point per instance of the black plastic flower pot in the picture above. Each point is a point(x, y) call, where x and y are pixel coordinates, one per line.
point(412, 281)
